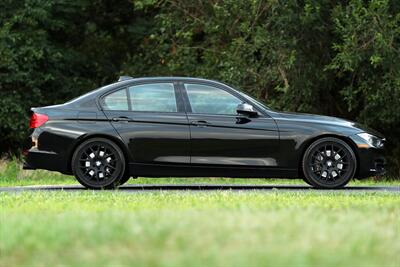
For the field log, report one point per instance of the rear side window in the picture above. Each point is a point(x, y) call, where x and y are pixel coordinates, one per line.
point(156, 97)
point(116, 101)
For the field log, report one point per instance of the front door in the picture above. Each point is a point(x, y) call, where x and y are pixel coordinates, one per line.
point(150, 122)
point(219, 136)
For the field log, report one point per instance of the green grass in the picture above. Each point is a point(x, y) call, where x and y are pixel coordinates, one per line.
point(199, 229)
point(11, 174)
point(181, 228)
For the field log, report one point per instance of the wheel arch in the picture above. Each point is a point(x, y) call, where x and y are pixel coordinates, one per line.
point(307, 144)
point(111, 138)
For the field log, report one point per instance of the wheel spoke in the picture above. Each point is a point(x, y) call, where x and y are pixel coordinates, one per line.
point(338, 152)
point(110, 166)
point(320, 154)
point(97, 176)
point(316, 159)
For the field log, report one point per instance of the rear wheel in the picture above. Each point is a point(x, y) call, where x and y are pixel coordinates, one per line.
point(98, 163)
point(329, 163)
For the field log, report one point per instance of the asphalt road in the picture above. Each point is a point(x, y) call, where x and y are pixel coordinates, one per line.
point(205, 187)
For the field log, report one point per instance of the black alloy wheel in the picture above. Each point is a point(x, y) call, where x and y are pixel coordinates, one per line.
point(98, 164)
point(329, 163)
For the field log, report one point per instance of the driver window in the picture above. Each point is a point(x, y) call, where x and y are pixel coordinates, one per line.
point(211, 100)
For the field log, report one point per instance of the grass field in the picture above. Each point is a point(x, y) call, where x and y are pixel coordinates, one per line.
point(199, 229)
point(181, 228)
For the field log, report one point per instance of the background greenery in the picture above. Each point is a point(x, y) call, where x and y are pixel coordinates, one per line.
point(338, 58)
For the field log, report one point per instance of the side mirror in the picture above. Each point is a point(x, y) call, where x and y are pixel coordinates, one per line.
point(247, 110)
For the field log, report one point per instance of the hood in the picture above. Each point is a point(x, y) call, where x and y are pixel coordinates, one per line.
point(329, 121)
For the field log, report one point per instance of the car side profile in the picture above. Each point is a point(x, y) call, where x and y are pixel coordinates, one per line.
point(190, 127)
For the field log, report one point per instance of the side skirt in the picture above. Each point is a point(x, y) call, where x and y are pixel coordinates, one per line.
point(182, 170)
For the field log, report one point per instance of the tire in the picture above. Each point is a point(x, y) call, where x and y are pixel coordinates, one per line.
point(306, 181)
point(98, 163)
point(124, 179)
point(329, 163)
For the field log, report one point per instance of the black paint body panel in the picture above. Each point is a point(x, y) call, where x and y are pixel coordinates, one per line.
point(154, 137)
point(234, 140)
point(175, 144)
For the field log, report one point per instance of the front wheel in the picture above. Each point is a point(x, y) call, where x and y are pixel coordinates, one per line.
point(124, 179)
point(329, 163)
point(98, 163)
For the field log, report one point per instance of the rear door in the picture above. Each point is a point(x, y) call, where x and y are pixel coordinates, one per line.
point(221, 137)
point(151, 120)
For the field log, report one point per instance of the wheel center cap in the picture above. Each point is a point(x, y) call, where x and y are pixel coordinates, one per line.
point(98, 163)
point(329, 163)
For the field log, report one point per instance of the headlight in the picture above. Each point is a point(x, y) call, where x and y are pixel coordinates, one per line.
point(372, 140)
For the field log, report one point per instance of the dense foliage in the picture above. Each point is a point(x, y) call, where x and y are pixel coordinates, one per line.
point(339, 58)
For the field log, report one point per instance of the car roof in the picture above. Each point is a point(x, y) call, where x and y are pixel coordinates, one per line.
point(168, 78)
point(129, 80)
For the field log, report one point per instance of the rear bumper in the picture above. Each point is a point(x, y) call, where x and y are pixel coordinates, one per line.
point(47, 160)
point(42, 156)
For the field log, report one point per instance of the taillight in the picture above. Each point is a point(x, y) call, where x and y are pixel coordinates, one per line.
point(37, 120)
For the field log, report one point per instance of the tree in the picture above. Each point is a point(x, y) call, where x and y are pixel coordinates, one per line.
point(338, 58)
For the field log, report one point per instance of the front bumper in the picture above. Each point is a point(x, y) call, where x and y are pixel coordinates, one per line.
point(371, 160)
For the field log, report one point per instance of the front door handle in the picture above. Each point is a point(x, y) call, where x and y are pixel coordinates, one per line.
point(200, 123)
point(121, 118)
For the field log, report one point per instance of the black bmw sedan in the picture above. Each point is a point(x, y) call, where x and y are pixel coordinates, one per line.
point(189, 127)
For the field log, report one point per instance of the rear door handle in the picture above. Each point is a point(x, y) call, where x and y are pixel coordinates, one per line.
point(200, 123)
point(121, 118)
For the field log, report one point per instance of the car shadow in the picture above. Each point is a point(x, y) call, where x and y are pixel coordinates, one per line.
point(201, 187)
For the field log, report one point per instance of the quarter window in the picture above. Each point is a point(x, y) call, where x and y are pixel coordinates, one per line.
point(116, 101)
point(156, 97)
point(211, 100)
